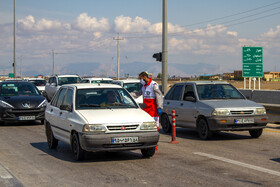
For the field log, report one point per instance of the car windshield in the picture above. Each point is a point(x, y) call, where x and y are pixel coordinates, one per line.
point(38, 82)
point(132, 87)
point(104, 98)
point(102, 81)
point(68, 80)
point(16, 89)
point(218, 91)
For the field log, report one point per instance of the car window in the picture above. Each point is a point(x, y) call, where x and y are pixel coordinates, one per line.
point(60, 97)
point(175, 93)
point(38, 82)
point(218, 91)
point(68, 100)
point(16, 89)
point(132, 87)
point(85, 81)
point(188, 92)
point(68, 80)
point(100, 98)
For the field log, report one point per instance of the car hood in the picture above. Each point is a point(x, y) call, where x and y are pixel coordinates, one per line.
point(19, 102)
point(232, 103)
point(115, 116)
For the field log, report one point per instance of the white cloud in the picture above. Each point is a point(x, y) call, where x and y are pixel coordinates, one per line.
point(89, 24)
point(127, 24)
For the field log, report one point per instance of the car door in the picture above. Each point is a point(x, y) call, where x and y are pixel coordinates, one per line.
point(55, 115)
point(172, 101)
point(188, 109)
point(65, 114)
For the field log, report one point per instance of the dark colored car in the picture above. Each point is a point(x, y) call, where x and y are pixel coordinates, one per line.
point(21, 101)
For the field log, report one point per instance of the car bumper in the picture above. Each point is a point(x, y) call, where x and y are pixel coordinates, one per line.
point(103, 142)
point(229, 123)
point(14, 114)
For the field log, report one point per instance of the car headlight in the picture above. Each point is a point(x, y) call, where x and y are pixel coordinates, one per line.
point(260, 111)
point(94, 128)
point(5, 105)
point(220, 112)
point(149, 126)
point(43, 104)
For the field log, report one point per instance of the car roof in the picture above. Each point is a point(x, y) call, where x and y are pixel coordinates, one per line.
point(16, 82)
point(129, 81)
point(34, 79)
point(203, 82)
point(66, 75)
point(94, 85)
point(97, 78)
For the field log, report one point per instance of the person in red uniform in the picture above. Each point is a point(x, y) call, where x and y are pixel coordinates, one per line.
point(152, 97)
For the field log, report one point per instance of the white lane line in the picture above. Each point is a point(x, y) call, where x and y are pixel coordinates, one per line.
point(4, 174)
point(261, 169)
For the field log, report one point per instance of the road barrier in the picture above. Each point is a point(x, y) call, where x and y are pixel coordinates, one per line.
point(173, 128)
point(270, 99)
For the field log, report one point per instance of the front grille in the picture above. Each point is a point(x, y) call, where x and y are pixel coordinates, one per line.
point(241, 112)
point(122, 127)
point(24, 112)
point(123, 145)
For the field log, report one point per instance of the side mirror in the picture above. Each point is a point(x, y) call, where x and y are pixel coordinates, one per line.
point(142, 105)
point(53, 84)
point(66, 107)
point(190, 98)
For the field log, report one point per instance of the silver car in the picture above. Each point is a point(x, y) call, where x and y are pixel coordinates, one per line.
point(209, 107)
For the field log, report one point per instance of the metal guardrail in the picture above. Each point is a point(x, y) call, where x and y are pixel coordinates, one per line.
point(270, 99)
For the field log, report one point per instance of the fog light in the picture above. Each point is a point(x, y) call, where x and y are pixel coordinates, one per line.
point(263, 119)
point(223, 121)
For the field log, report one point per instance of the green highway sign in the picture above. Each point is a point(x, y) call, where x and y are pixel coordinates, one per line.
point(11, 75)
point(252, 61)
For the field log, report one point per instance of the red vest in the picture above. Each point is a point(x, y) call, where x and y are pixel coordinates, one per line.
point(149, 98)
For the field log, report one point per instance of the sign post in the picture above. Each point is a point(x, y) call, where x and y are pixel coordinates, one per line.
point(252, 58)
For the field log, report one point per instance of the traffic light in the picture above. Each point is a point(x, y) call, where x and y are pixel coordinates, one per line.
point(158, 56)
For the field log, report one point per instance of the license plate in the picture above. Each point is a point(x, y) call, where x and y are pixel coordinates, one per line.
point(118, 140)
point(26, 118)
point(244, 120)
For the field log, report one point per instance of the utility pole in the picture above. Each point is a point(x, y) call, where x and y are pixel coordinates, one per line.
point(164, 47)
point(20, 66)
point(118, 54)
point(53, 61)
point(15, 64)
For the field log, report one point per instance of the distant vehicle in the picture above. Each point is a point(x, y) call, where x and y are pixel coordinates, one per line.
point(56, 81)
point(210, 107)
point(132, 85)
point(97, 80)
point(21, 101)
point(13, 79)
point(39, 83)
point(102, 117)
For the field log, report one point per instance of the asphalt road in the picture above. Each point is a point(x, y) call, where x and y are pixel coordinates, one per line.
point(229, 159)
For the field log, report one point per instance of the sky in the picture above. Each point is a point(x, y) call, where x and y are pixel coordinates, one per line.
point(199, 31)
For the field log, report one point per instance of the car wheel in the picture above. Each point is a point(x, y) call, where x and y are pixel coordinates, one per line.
point(42, 121)
point(165, 123)
point(77, 151)
point(256, 133)
point(149, 152)
point(52, 141)
point(203, 129)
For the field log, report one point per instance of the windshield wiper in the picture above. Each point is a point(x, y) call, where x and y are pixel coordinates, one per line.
point(93, 105)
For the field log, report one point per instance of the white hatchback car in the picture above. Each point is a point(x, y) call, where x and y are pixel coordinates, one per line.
point(99, 117)
point(97, 80)
point(131, 85)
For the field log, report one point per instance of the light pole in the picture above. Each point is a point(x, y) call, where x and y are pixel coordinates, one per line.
point(15, 64)
point(164, 47)
point(118, 54)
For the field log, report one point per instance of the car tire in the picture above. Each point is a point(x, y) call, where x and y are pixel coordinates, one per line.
point(78, 152)
point(149, 152)
point(52, 141)
point(42, 121)
point(203, 129)
point(165, 123)
point(255, 133)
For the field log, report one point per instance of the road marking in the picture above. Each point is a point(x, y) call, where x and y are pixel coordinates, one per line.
point(271, 131)
point(4, 174)
point(257, 168)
